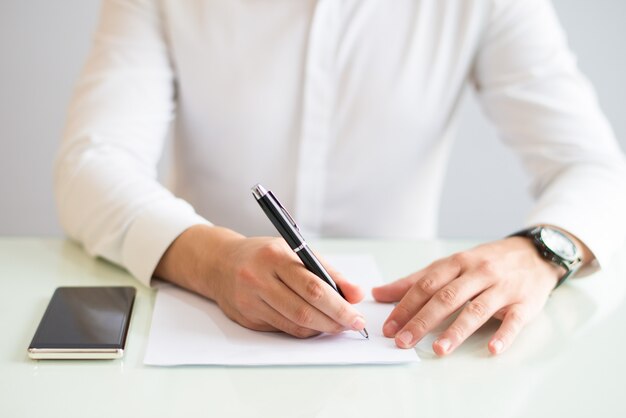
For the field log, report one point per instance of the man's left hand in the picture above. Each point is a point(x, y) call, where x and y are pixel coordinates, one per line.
point(506, 279)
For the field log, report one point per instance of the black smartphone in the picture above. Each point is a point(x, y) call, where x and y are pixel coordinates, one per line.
point(84, 323)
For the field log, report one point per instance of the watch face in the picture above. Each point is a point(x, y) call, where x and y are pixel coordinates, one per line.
point(559, 244)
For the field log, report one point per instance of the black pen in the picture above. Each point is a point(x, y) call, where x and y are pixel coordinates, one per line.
point(289, 230)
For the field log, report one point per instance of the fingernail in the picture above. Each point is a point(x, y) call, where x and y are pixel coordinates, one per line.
point(444, 343)
point(406, 338)
point(358, 324)
point(390, 328)
point(497, 346)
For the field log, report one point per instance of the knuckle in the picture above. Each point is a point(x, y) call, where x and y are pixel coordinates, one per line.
point(343, 313)
point(460, 260)
point(456, 333)
point(476, 309)
point(314, 290)
point(304, 316)
point(402, 311)
point(487, 267)
point(419, 323)
point(447, 296)
point(271, 251)
point(427, 285)
point(515, 319)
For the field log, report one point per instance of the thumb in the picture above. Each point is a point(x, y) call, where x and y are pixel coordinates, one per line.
point(394, 291)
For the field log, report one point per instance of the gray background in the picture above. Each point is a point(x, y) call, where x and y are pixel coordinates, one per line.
point(44, 43)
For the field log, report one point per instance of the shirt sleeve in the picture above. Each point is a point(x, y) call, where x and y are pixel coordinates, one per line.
point(529, 85)
point(106, 185)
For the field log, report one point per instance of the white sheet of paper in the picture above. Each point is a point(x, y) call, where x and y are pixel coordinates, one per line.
point(190, 330)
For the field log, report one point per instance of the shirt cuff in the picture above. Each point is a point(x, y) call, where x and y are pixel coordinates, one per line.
point(151, 234)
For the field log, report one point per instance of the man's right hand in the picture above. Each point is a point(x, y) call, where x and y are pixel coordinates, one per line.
point(259, 283)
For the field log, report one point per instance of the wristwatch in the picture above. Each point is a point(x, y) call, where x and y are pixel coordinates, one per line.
point(555, 247)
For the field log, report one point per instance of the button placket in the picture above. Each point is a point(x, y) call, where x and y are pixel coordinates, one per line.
point(317, 107)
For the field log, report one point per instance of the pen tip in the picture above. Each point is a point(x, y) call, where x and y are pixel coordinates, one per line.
point(365, 333)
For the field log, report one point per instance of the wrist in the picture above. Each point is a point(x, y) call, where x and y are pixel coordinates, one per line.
point(550, 270)
point(556, 247)
point(530, 252)
point(195, 260)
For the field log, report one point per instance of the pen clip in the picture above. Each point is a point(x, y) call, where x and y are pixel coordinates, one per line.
point(285, 212)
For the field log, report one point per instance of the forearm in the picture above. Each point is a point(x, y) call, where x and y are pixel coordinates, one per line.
point(547, 111)
point(106, 187)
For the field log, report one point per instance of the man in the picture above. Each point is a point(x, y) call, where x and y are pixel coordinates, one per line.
point(335, 104)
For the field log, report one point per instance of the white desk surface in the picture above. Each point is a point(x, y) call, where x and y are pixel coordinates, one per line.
point(570, 362)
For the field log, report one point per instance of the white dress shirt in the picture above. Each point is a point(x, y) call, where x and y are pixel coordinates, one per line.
point(345, 108)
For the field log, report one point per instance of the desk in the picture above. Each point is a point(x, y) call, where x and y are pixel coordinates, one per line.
point(570, 362)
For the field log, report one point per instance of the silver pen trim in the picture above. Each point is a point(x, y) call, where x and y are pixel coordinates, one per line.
point(300, 248)
point(258, 191)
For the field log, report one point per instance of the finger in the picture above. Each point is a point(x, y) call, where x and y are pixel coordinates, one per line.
point(352, 292)
point(435, 277)
point(440, 306)
point(321, 296)
point(396, 290)
point(472, 317)
point(500, 314)
point(289, 304)
point(276, 321)
point(514, 320)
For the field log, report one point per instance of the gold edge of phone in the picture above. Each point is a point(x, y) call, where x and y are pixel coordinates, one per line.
point(73, 353)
